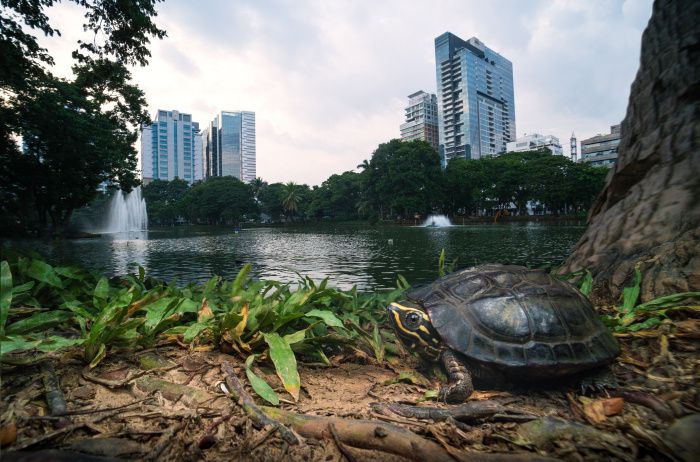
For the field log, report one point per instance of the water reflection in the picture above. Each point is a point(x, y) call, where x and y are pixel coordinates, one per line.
point(348, 255)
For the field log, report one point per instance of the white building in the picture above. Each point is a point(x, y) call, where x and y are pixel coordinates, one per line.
point(421, 119)
point(535, 142)
point(171, 147)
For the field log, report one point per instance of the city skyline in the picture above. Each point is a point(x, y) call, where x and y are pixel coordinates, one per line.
point(328, 81)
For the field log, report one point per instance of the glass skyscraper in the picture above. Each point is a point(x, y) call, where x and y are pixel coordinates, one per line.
point(171, 147)
point(476, 107)
point(229, 147)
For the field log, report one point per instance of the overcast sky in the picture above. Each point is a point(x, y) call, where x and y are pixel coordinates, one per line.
point(328, 80)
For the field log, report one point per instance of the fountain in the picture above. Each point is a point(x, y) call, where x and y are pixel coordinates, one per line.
point(127, 213)
point(436, 221)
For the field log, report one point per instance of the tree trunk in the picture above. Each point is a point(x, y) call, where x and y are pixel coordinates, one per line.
point(648, 214)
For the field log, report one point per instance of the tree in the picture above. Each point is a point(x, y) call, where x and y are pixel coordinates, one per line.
point(218, 200)
point(404, 178)
point(291, 197)
point(648, 215)
point(76, 133)
point(164, 200)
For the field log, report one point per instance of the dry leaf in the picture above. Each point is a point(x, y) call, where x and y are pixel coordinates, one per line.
point(597, 411)
point(8, 433)
point(204, 312)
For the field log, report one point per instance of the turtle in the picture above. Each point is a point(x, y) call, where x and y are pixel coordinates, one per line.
point(502, 322)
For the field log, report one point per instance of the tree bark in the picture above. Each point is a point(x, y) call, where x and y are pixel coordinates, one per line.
point(648, 214)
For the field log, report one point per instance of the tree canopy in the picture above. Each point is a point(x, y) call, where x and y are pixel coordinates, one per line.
point(76, 132)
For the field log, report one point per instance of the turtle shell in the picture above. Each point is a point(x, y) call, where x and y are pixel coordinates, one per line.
point(513, 317)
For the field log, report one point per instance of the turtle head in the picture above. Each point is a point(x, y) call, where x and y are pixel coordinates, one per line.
point(413, 327)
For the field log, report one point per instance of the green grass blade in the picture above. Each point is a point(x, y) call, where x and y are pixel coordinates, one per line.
point(285, 363)
point(5, 294)
point(261, 387)
point(587, 284)
point(241, 279)
point(441, 263)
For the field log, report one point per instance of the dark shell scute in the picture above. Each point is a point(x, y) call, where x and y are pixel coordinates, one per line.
point(516, 317)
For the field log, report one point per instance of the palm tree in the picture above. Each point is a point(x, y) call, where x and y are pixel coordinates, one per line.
point(257, 185)
point(364, 165)
point(291, 196)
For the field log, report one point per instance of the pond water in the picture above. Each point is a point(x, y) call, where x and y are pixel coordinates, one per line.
point(366, 256)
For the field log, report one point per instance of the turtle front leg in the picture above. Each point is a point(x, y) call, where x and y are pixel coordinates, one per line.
point(460, 386)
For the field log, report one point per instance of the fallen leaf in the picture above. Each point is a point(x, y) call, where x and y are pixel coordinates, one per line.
point(598, 410)
point(8, 433)
point(205, 311)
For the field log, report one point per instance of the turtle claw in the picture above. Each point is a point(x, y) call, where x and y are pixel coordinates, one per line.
point(598, 382)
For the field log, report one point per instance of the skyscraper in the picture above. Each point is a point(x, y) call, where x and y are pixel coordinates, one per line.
point(476, 106)
point(421, 119)
point(229, 147)
point(171, 147)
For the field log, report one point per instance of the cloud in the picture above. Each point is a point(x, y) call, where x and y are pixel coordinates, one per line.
point(328, 80)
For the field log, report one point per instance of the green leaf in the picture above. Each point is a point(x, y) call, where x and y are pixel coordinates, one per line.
point(157, 311)
point(69, 272)
point(648, 324)
point(631, 294)
point(76, 307)
point(43, 272)
point(377, 343)
point(14, 343)
point(261, 387)
point(328, 317)
point(194, 330)
point(38, 322)
point(21, 289)
point(667, 301)
point(55, 342)
point(5, 294)
point(102, 289)
point(285, 363)
point(441, 263)
point(587, 284)
point(101, 352)
point(142, 273)
point(241, 279)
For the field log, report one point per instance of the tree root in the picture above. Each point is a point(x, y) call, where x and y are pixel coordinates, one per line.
point(470, 411)
point(259, 418)
point(385, 437)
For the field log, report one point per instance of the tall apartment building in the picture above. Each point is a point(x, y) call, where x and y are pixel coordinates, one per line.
point(601, 150)
point(421, 119)
point(171, 147)
point(229, 146)
point(535, 142)
point(476, 105)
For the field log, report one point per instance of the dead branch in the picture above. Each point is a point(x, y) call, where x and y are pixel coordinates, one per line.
point(650, 401)
point(341, 447)
point(251, 409)
point(385, 437)
point(164, 441)
point(112, 384)
point(470, 411)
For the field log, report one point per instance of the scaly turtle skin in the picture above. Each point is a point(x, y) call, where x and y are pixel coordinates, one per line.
point(502, 321)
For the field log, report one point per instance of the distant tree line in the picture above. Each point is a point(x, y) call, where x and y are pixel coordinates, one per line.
point(401, 180)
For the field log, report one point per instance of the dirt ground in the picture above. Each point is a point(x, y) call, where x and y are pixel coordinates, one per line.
point(167, 404)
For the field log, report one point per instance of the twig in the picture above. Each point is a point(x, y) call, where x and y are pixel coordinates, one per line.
point(61, 431)
point(468, 412)
point(645, 399)
point(246, 402)
point(345, 451)
point(208, 440)
point(262, 439)
point(106, 409)
point(54, 395)
point(120, 383)
point(164, 441)
point(457, 454)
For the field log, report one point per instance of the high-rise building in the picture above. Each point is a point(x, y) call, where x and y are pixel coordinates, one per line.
point(171, 147)
point(535, 142)
point(574, 147)
point(601, 150)
point(421, 119)
point(476, 106)
point(229, 147)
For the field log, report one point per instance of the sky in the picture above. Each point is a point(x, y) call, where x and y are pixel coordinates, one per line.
point(329, 79)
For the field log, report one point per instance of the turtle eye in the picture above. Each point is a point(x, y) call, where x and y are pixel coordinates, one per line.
point(412, 320)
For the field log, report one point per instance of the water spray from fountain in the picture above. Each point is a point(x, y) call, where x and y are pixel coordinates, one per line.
point(127, 213)
point(437, 221)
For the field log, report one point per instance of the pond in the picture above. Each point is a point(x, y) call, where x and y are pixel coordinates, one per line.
point(370, 257)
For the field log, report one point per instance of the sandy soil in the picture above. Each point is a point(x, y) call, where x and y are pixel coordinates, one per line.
point(172, 407)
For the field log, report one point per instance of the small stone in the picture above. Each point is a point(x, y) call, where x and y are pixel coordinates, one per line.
point(682, 437)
